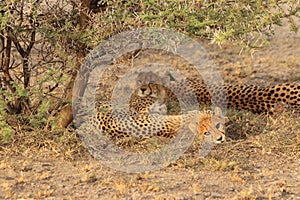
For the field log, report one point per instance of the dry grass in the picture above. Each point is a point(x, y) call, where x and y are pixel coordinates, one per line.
point(253, 140)
point(61, 143)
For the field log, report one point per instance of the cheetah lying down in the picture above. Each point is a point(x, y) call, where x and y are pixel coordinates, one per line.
point(120, 124)
point(151, 88)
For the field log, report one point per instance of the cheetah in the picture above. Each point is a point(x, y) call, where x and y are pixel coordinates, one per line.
point(152, 96)
point(151, 85)
point(248, 97)
point(121, 124)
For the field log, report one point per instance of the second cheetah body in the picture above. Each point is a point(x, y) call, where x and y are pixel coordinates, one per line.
point(249, 97)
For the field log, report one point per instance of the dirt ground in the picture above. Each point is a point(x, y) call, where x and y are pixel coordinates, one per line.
point(259, 161)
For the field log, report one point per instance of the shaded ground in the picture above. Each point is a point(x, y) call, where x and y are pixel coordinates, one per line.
point(260, 160)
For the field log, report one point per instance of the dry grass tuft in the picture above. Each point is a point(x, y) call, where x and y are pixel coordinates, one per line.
point(61, 143)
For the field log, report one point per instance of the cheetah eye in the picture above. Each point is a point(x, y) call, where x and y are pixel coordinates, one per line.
point(151, 82)
point(207, 133)
point(218, 126)
point(139, 81)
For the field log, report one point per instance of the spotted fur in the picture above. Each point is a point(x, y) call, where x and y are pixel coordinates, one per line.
point(249, 97)
point(119, 124)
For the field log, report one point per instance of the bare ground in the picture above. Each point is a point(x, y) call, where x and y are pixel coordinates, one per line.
point(260, 160)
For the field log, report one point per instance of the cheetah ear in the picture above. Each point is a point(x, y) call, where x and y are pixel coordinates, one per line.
point(168, 78)
point(171, 78)
point(218, 112)
point(193, 127)
point(227, 119)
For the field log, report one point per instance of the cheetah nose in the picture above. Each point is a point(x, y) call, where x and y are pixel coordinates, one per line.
point(221, 139)
point(143, 89)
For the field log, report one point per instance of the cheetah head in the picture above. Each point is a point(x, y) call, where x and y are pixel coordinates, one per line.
point(211, 126)
point(151, 84)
